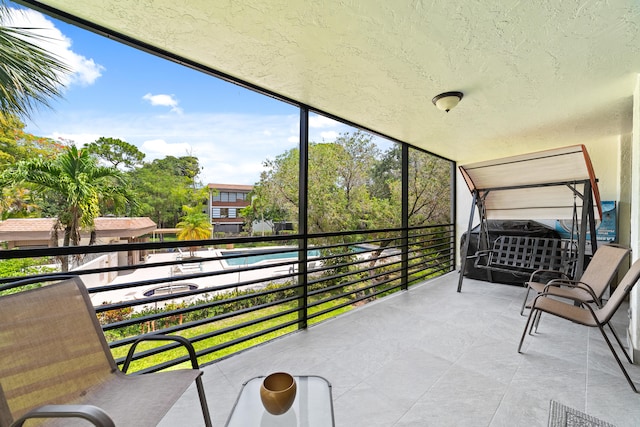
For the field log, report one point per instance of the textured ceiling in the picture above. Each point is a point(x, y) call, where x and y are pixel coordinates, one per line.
point(535, 74)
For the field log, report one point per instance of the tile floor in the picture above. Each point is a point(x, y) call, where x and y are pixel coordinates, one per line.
point(433, 357)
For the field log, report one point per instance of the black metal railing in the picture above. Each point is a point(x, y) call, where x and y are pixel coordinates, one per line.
point(225, 295)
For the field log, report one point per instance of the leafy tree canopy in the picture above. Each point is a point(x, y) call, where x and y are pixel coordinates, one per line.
point(118, 153)
point(164, 186)
point(17, 145)
point(74, 183)
point(353, 186)
point(187, 166)
point(194, 224)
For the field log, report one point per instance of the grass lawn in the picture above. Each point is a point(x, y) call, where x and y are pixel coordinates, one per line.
point(230, 336)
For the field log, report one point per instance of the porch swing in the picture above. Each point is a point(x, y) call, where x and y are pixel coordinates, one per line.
point(557, 184)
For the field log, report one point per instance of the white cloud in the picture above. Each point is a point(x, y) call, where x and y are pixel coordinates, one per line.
point(231, 148)
point(78, 139)
point(329, 135)
point(318, 121)
point(159, 148)
point(84, 71)
point(163, 100)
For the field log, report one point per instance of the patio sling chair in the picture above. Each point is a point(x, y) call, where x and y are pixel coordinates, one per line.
point(55, 363)
point(587, 315)
point(592, 284)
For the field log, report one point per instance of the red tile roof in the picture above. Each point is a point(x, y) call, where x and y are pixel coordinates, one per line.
point(39, 228)
point(234, 187)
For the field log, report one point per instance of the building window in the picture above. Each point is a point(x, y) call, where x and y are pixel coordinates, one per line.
point(224, 213)
point(225, 196)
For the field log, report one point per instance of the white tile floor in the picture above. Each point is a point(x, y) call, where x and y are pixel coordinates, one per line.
point(433, 357)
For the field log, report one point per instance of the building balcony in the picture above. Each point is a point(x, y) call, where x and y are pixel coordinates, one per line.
point(398, 344)
point(432, 356)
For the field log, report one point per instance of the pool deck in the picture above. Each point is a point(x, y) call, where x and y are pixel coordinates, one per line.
point(212, 282)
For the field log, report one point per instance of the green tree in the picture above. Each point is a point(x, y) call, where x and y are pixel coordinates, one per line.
point(76, 183)
point(429, 191)
point(277, 191)
point(17, 145)
point(263, 211)
point(194, 225)
point(339, 181)
point(22, 267)
point(385, 172)
point(119, 153)
point(165, 185)
point(29, 75)
point(352, 186)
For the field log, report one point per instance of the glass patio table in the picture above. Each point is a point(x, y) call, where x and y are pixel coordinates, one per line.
point(312, 407)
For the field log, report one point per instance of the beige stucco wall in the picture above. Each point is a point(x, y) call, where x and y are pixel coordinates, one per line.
point(634, 300)
point(624, 204)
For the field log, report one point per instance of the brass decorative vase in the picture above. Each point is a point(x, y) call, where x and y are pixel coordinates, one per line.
point(277, 392)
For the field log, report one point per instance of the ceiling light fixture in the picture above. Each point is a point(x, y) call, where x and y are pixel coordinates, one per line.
point(446, 101)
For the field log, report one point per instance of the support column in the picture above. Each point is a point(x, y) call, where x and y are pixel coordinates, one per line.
point(303, 199)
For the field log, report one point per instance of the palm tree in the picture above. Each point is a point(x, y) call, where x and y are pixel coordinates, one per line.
point(194, 225)
point(29, 75)
point(76, 183)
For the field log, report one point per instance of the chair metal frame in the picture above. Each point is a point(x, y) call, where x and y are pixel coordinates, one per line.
point(586, 315)
point(590, 287)
point(26, 389)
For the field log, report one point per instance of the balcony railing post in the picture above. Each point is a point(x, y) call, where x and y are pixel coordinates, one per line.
point(404, 249)
point(454, 212)
point(303, 242)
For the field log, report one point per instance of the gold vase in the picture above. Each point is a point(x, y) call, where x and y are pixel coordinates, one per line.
point(277, 392)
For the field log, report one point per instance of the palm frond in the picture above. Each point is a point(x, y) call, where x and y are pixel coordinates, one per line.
point(29, 75)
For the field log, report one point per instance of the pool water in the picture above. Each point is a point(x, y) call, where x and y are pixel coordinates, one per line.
point(253, 259)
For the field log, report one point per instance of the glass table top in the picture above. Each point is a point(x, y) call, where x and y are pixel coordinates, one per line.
point(312, 407)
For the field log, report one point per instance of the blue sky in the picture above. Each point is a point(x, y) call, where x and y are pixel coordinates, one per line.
point(163, 108)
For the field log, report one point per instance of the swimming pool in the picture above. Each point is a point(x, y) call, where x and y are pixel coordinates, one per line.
point(249, 259)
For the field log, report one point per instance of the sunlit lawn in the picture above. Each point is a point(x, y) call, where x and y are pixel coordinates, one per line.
point(238, 334)
point(231, 336)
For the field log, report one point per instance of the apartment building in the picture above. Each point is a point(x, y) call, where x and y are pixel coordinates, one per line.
point(225, 203)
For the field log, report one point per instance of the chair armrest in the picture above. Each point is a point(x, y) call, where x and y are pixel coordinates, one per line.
point(548, 271)
point(91, 413)
point(543, 295)
point(479, 254)
point(576, 300)
point(558, 283)
point(182, 340)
